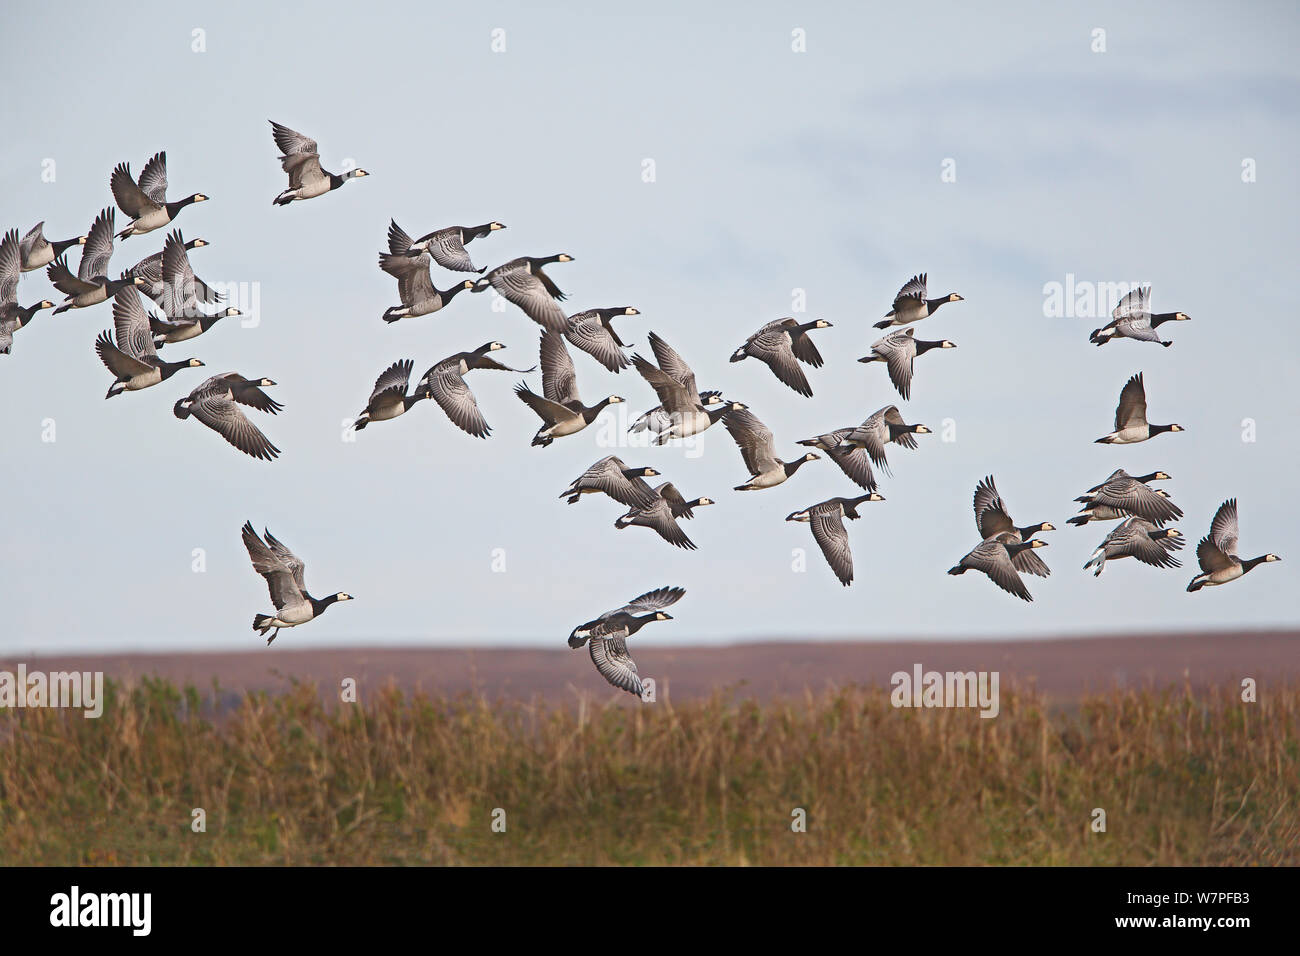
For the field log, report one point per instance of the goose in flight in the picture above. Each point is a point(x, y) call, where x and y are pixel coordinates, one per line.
point(415, 285)
point(445, 384)
point(1131, 417)
point(851, 459)
point(612, 476)
point(662, 516)
point(992, 519)
point(898, 350)
point(1132, 319)
point(13, 316)
point(1217, 551)
point(133, 360)
point(447, 245)
point(657, 420)
point(781, 346)
point(559, 406)
point(91, 285)
point(758, 449)
point(301, 160)
point(150, 268)
point(994, 558)
point(911, 304)
point(608, 635)
point(826, 519)
point(146, 201)
point(38, 252)
point(679, 397)
point(285, 579)
point(1138, 538)
point(593, 332)
point(882, 427)
point(388, 399)
point(1129, 495)
point(215, 403)
point(522, 282)
point(180, 295)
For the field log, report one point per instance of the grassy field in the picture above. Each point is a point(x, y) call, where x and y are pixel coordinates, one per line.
point(1184, 777)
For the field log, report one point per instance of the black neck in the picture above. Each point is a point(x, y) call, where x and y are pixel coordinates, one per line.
point(1163, 317)
point(637, 623)
point(923, 347)
point(1247, 565)
point(174, 207)
point(320, 604)
point(63, 245)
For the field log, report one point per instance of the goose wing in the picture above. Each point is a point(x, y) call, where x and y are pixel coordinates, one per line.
point(34, 235)
point(130, 198)
point(559, 380)
point(913, 291)
point(1223, 529)
point(447, 387)
point(399, 243)
point(1211, 558)
point(673, 364)
point(676, 502)
point(828, 531)
point(11, 267)
point(774, 348)
point(1134, 538)
point(220, 413)
point(1137, 327)
point(525, 288)
point(1132, 408)
point(281, 580)
point(547, 410)
point(395, 378)
point(98, 248)
point(754, 439)
point(153, 179)
point(892, 416)
point(448, 250)
point(131, 323)
point(855, 463)
point(993, 559)
point(117, 361)
point(872, 435)
point(289, 559)
point(612, 660)
point(1133, 497)
point(303, 168)
point(291, 142)
point(178, 278)
point(899, 351)
point(805, 350)
point(991, 517)
point(673, 396)
point(655, 600)
point(1137, 301)
point(587, 332)
point(659, 516)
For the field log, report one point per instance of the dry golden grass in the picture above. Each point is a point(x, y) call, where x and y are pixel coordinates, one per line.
point(1185, 777)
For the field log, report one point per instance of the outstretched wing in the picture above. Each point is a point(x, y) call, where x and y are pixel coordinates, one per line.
point(612, 660)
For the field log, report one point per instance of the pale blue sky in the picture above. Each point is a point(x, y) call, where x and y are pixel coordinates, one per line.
point(775, 170)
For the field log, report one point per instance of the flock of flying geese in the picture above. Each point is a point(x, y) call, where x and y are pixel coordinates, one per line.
point(1005, 550)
